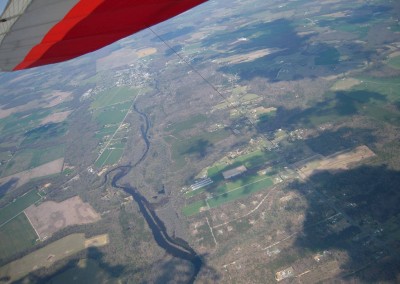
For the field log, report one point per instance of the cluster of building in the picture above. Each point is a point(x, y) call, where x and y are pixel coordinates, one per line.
point(234, 172)
point(201, 183)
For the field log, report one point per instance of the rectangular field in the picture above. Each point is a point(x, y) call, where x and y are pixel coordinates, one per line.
point(46, 256)
point(337, 161)
point(239, 192)
point(31, 158)
point(250, 160)
point(50, 217)
point(228, 195)
point(16, 236)
point(114, 96)
point(46, 170)
point(19, 205)
point(112, 114)
point(186, 124)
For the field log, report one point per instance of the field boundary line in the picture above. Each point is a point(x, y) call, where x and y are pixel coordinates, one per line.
point(211, 230)
point(15, 216)
point(109, 154)
point(119, 126)
point(111, 105)
point(380, 83)
point(30, 222)
point(9, 220)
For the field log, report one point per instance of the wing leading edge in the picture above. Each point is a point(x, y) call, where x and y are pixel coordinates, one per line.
point(40, 32)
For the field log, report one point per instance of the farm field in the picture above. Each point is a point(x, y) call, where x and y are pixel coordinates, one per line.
point(109, 110)
point(113, 114)
point(31, 158)
point(229, 192)
point(110, 156)
point(337, 161)
point(394, 62)
point(44, 257)
point(178, 127)
point(251, 160)
point(48, 169)
point(17, 122)
point(114, 96)
point(19, 205)
point(50, 217)
point(19, 235)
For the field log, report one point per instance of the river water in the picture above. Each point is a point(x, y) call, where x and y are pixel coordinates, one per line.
point(174, 246)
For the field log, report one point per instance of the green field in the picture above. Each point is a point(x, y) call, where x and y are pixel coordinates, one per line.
point(103, 158)
point(193, 208)
point(186, 124)
point(114, 157)
point(231, 192)
point(59, 249)
point(100, 134)
point(30, 158)
point(109, 118)
point(16, 236)
point(250, 161)
point(394, 62)
point(19, 204)
point(20, 122)
point(112, 114)
point(114, 96)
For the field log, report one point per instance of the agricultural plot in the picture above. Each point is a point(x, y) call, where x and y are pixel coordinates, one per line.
point(240, 192)
point(230, 192)
point(19, 205)
point(110, 155)
point(16, 236)
point(45, 257)
point(394, 62)
point(113, 114)
point(110, 110)
point(178, 127)
point(337, 161)
point(50, 217)
point(31, 158)
point(45, 170)
point(252, 160)
point(114, 96)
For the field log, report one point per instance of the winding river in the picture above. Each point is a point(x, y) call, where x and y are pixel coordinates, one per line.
point(176, 247)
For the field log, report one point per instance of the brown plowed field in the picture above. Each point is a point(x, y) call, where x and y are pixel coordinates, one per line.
point(50, 217)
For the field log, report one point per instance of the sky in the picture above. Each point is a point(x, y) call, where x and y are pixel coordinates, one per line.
point(3, 4)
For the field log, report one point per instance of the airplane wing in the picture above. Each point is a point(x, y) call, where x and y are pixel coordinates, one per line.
point(40, 32)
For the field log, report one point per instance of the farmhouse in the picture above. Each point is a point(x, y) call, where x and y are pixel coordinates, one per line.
point(234, 172)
